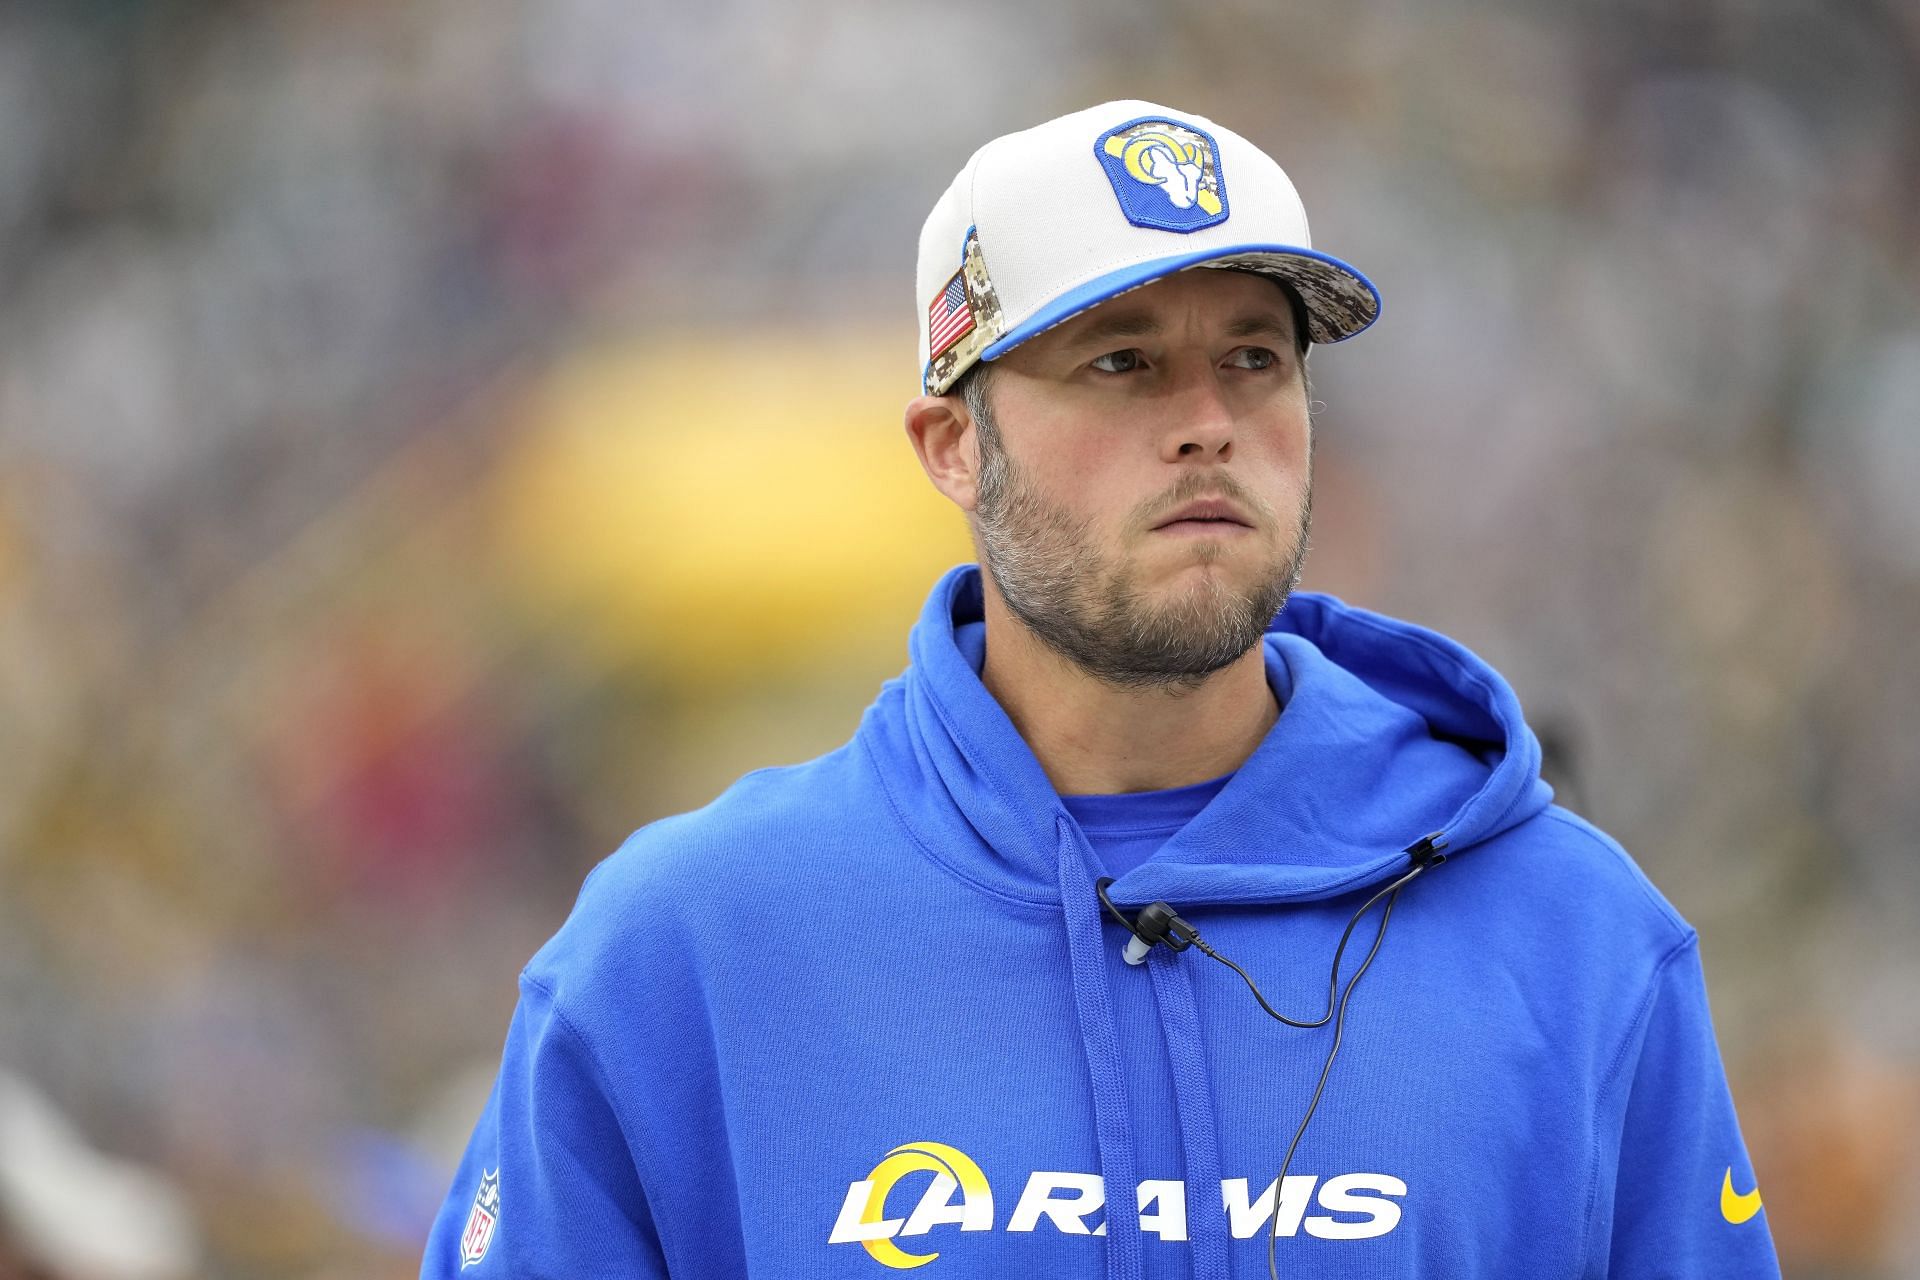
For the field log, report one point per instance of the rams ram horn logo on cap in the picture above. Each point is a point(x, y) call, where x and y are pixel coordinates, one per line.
point(1166, 175)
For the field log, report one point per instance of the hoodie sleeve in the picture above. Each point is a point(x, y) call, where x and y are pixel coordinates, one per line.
point(549, 1186)
point(1677, 1194)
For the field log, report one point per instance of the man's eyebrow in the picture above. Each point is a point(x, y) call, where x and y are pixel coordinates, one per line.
point(1261, 326)
point(1124, 324)
point(1136, 324)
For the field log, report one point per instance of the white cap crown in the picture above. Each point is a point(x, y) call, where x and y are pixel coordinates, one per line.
point(1042, 224)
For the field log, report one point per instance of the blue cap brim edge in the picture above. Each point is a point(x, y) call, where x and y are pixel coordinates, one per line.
point(1114, 283)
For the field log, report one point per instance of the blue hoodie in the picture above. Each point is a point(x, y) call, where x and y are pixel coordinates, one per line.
point(867, 1014)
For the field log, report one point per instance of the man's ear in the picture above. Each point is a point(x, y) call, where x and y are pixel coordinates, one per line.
point(948, 446)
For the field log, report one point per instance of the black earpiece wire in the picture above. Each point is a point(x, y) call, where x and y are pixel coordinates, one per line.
point(1333, 975)
point(1392, 893)
point(1169, 928)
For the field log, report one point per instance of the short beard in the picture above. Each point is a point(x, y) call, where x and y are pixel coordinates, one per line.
point(1090, 610)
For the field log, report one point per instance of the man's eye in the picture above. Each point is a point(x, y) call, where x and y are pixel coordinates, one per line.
point(1118, 361)
point(1253, 358)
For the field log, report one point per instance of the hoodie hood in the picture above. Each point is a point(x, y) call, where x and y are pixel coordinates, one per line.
point(1390, 737)
point(1388, 733)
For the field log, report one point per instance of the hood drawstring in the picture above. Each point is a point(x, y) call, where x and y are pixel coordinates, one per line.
point(1100, 1039)
point(1193, 1097)
point(1193, 1093)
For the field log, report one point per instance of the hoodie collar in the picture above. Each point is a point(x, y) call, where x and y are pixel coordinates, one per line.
point(1388, 732)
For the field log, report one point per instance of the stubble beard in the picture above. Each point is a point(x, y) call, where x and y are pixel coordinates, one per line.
point(1090, 608)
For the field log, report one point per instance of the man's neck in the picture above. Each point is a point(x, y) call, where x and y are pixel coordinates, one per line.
point(1096, 738)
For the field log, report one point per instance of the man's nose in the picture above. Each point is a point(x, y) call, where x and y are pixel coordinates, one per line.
point(1200, 424)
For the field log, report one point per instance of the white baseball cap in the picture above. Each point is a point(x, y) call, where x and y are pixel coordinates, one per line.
point(1042, 224)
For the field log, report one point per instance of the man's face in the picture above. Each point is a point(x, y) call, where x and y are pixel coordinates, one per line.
point(1146, 477)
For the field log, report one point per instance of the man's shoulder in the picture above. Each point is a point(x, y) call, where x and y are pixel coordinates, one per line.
point(766, 819)
point(1560, 856)
point(752, 853)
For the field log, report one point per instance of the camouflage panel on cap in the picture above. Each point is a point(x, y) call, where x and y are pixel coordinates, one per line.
point(1337, 305)
point(988, 323)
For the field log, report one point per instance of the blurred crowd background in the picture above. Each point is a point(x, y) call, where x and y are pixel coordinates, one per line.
point(439, 436)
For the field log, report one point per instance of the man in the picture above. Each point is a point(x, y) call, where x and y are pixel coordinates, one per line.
point(876, 1011)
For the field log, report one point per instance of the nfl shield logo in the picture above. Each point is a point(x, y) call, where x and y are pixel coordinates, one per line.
point(481, 1221)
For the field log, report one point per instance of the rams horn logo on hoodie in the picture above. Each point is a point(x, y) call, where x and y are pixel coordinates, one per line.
point(868, 1199)
point(1166, 175)
point(1368, 1202)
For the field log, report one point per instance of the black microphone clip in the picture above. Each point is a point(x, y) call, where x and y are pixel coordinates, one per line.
point(1156, 923)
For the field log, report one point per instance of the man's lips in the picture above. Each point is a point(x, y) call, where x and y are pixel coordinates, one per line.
point(1215, 515)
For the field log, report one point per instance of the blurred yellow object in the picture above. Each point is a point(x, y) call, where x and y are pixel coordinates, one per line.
point(700, 508)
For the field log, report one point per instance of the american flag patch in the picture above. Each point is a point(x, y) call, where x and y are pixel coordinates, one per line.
point(949, 318)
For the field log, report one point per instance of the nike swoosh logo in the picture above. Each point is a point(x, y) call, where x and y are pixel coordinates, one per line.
point(1735, 1207)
